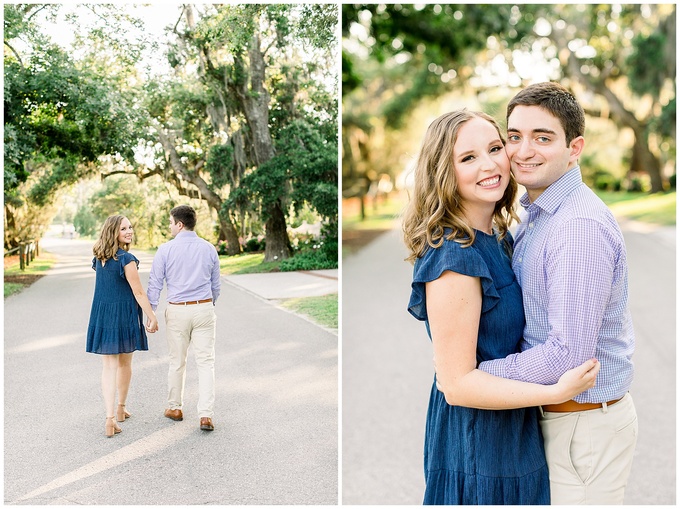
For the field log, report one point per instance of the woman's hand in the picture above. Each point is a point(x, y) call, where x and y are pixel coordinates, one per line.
point(151, 324)
point(577, 380)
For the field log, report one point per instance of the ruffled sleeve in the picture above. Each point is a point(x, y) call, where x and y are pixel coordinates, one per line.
point(124, 258)
point(94, 263)
point(449, 256)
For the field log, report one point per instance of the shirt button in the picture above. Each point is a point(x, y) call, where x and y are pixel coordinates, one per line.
point(531, 225)
point(520, 258)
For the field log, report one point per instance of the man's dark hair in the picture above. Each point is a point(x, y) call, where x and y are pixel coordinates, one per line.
point(184, 214)
point(557, 101)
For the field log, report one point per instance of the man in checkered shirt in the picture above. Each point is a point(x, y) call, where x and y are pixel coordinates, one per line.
point(570, 260)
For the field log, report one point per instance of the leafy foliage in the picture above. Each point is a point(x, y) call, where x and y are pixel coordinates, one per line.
point(644, 72)
point(309, 260)
point(58, 116)
point(307, 164)
point(397, 56)
point(253, 130)
point(243, 77)
point(417, 44)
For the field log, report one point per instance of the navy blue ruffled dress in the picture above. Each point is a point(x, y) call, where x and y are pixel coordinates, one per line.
point(116, 319)
point(481, 457)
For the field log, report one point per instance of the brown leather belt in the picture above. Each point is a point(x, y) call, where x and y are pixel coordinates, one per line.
point(190, 302)
point(573, 406)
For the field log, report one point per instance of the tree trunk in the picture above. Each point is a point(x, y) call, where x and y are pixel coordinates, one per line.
point(228, 232)
point(276, 237)
point(254, 100)
point(11, 240)
point(255, 103)
point(643, 161)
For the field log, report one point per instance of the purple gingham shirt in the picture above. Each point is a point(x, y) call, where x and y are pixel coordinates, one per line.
point(570, 260)
point(189, 265)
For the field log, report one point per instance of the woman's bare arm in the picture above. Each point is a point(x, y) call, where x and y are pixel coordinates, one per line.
point(132, 276)
point(454, 305)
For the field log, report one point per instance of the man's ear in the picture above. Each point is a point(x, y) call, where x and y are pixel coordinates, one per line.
point(576, 146)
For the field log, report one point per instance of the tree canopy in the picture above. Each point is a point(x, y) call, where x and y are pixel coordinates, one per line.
point(619, 60)
point(244, 118)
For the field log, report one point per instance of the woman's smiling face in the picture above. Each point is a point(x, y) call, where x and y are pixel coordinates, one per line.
point(480, 163)
point(125, 232)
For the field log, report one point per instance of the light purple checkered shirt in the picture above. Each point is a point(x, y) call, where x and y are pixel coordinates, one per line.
point(189, 265)
point(570, 260)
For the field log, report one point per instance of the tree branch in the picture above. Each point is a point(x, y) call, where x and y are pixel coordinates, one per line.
point(91, 9)
point(573, 69)
point(210, 196)
point(15, 53)
point(140, 175)
point(29, 9)
point(181, 14)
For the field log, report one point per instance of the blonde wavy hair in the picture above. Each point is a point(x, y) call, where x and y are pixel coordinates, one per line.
point(107, 244)
point(436, 202)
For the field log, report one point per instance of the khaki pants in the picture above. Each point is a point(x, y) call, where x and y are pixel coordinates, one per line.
point(195, 325)
point(590, 453)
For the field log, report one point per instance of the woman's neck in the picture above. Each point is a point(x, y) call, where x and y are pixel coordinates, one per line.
point(480, 218)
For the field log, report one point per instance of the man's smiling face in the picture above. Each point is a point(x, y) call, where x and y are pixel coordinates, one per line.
point(537, 148)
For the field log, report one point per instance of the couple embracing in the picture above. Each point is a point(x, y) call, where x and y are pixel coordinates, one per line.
point(190, 267)
point(532, 336)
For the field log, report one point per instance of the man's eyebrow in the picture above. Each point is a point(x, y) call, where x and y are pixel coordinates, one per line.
point(538, 130)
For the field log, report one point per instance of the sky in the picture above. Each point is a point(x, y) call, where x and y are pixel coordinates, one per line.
point(155, 16)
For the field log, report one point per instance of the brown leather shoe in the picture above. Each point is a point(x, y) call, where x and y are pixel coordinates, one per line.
point(175, 415)
point(206, 424)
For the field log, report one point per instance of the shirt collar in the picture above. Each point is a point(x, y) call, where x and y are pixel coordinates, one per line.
point(551, 199)
point(186, 233)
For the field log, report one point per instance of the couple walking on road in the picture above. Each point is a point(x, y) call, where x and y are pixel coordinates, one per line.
point(190, 267)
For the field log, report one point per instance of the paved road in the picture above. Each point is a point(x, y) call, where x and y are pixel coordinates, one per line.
point(276, 421)
point(387, 373)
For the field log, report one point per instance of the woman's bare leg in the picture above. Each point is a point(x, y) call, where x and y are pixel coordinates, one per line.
point(124, 376)
point(109, 370)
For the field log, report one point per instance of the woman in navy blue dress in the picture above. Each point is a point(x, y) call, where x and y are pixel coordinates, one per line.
point(116, 327)
point(483, 443)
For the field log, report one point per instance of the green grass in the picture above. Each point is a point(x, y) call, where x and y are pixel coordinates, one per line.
point(381, 217)
point(37, 267)
point(656, 208)
point(247, 263)
point(12, 288)
point(323, 310)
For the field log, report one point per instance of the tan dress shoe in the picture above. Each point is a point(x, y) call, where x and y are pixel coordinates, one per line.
point(175, 415)
point(206, 424)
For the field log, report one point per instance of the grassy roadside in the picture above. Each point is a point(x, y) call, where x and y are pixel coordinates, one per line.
point(15, 279)
point(656, 208)
point(246, 263)
point(322, 310)
point(381, 217)
point(659, 208)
